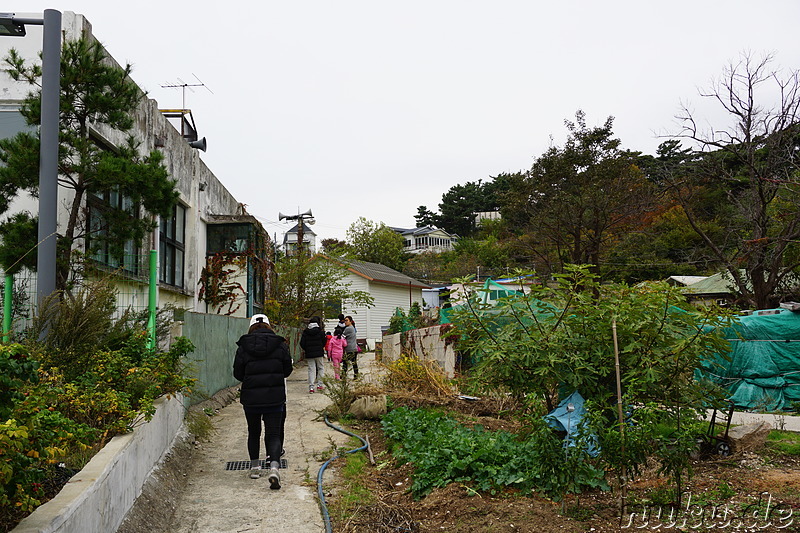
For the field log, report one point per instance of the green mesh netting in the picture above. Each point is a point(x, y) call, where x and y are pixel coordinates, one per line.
point(763, 370)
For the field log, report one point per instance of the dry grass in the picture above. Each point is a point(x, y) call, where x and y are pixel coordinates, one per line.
point(412, 376)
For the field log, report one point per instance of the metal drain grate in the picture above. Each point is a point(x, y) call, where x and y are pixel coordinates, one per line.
point(245, 465)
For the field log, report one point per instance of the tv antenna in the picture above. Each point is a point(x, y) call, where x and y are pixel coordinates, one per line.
point(183, 86)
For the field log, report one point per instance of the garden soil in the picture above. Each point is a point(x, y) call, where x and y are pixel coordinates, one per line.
point(193, 491)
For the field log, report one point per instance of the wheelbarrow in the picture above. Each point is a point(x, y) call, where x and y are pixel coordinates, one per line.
point(715, 441)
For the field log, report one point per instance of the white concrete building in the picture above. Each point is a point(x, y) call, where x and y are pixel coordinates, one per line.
point(207, 225)
point(292, 237)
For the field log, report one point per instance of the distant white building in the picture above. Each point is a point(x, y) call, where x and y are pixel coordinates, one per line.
point(291, 238)
point(426, 239)
point(486, 215)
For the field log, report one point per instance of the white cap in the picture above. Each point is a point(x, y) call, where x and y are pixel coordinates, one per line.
point(259, 318)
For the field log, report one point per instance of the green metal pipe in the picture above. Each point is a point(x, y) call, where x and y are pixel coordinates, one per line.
point(8, 295)
point(152, 302)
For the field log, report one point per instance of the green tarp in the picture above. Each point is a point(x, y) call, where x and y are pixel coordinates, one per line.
point(763, 373)
point(489, 295)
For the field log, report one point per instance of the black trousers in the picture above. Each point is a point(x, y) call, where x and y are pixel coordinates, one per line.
point(350, 357)
point(273, 433)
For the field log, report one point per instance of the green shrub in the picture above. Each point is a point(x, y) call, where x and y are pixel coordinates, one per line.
point(33, 432)
point(16, 368)
point(53, 417)
point(444, 451)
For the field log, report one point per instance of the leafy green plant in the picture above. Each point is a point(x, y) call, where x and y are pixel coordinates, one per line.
point(33, 433)
point(51, 417)
point(444, 451)
point(401, 321)
point(16, 368)
point(568, 337)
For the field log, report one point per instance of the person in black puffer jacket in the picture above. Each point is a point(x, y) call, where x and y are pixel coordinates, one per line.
point(312, 341)
point(262, 363)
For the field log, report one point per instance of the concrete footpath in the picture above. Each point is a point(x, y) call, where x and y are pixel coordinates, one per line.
point(217, 500)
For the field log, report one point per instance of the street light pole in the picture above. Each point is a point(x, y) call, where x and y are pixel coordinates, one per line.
point(48, 142)
point(48, 155)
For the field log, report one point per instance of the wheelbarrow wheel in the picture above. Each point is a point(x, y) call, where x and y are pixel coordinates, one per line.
point(723, 449)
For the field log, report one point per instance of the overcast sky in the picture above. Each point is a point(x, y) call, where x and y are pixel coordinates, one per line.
point(371, 108)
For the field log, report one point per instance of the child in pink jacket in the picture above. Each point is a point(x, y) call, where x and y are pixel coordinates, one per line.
point(335, 348)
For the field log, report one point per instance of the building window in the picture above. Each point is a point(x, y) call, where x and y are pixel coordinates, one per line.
point(245, 241)
point(228, 238)
point(172, 240)
point(126, 257)
point(332, 309)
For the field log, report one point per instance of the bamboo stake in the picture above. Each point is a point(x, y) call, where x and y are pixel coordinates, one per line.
point(623, 489)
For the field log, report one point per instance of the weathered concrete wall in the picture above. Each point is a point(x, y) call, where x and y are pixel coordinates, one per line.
point(426, 344)
point(97, 498)
point(391, 348)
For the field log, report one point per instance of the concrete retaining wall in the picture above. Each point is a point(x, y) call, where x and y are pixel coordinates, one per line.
point(426, 344)
point(97, 498)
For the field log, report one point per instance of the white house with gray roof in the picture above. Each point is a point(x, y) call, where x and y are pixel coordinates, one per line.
point(390, 289)
point(426, 239)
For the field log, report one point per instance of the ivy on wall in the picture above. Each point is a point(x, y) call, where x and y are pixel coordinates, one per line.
point(218, 286)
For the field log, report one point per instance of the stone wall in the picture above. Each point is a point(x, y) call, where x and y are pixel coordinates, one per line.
point(426, 344)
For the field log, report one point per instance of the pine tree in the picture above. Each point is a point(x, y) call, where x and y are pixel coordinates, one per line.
point(95, 94)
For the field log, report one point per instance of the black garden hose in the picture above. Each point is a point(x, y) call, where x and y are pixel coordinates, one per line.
point(325, 515)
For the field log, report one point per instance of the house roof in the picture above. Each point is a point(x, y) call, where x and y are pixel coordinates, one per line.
point(719, 283)
point(379, 273)
point(722, 284)
point(306, 230)
point(685, 280)
point(424, 230)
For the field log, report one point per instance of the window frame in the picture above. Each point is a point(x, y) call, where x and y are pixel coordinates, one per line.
point(97, 246)
point(172, 247)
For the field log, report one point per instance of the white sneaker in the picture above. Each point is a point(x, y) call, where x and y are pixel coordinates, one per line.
point(255, 469)
point(274, 479)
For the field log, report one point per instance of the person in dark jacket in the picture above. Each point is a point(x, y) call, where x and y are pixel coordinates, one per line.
point(351, 351)
point(262, 363)
point(312, 341)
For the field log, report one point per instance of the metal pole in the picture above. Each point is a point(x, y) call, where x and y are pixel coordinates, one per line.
point(300, 231)
point(152, 301)
point(8, 295)
point(48, 155)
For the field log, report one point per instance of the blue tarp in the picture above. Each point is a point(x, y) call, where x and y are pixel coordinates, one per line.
point(568, 417)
